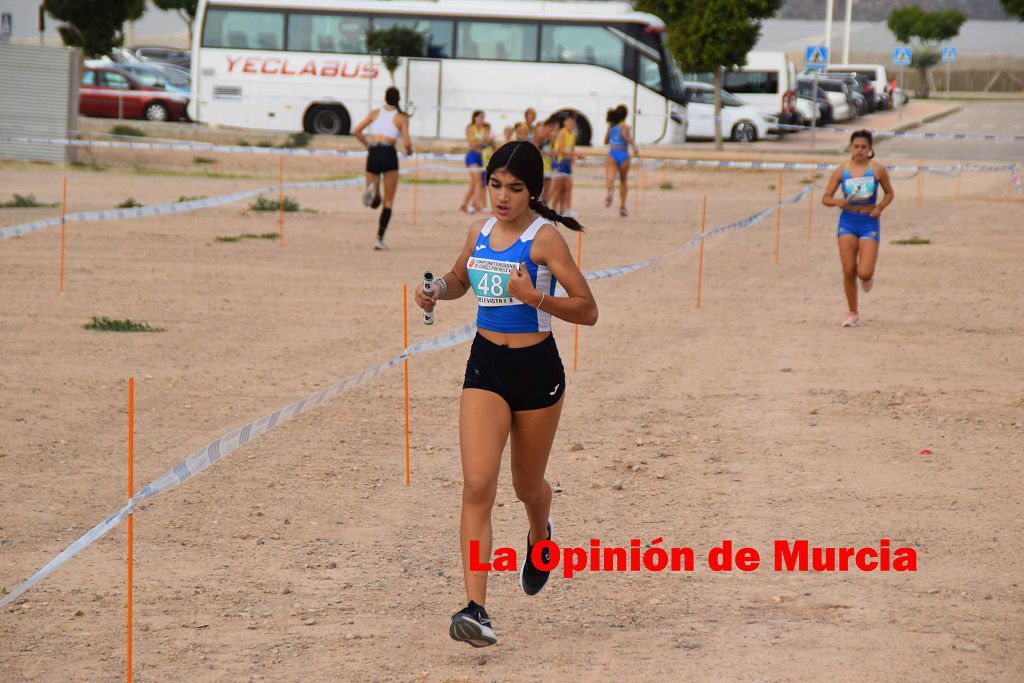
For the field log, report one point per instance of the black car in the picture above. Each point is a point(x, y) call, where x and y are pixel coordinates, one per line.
point(861, 84)
point(165, 55)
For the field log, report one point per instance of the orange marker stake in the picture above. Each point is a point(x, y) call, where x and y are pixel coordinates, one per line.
point(280, 198)
point(415, 185)
point(131, 492)
point(700, 258)
point(778, 219)
point(405, 345)
point(63, 213)
point(576, 329)
point(810, 202)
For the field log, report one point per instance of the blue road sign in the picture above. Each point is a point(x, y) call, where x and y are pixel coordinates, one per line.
point(901, 56)
point(816, 57)
point(949, 54)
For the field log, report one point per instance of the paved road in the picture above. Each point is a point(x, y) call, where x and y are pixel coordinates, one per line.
point(976, 118)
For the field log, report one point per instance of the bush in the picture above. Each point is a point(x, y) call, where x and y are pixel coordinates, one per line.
point(129, 203)
point(19, 201)
point(912, 240)
point(131, 131)
point(248, 236)
point(105, 324)
point(187, 198)
point(665, 185)
point(203, 160)
point(297, 140)
point(265, 204)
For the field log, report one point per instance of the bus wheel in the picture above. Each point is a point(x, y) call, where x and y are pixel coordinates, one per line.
point(583, 129)
point(327, 120)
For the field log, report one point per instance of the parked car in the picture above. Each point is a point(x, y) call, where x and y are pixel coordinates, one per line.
point(150, 76)
point(838, 92)
point(109, 92)
point(767, 81)
point(875, 72)
point(164, 55)
point(741, 122)
point(805, 91)
point(859, 84)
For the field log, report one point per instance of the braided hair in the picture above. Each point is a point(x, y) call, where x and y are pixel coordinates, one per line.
point(523, 160)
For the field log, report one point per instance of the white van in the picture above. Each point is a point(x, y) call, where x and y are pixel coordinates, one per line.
point(768, 81)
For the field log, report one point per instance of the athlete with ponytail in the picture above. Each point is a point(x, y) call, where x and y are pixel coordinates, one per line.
point(385, 125)
point(515, 383)
point(860, 220)
point(619, 143)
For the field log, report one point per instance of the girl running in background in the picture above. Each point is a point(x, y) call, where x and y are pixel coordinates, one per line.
point(859, 222)
point(385, 125)
point(515, 383)
point(527, 128)
point(476, 138)
point(619, 142)
point(565, 155)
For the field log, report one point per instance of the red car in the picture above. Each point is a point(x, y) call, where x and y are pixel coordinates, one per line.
point(107, 92)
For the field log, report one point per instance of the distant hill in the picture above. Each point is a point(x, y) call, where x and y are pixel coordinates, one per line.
point(878, 10)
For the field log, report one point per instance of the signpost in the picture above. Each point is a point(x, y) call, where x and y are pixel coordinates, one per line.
point(816, 59)
point(901, 57)
point(948, 56)
point(5, 27)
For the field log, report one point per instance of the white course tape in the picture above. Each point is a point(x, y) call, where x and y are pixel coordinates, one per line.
point(912, 134)
point(228, 443)
point(191, 205)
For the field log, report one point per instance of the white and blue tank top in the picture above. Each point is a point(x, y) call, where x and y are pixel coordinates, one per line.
point(861, 190)
point(489, 271)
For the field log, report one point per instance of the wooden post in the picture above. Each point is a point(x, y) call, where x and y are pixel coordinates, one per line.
point(131, 492)
point(280, 198)
point(405, 345)
point(778, 218)
point(63, 213)
point(415, 185)
point(959, 175)
point(810, 202)
point(700, 259)
point(576, 328)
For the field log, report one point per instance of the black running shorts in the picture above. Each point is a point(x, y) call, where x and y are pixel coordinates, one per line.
point(381, 159)
point(527, 378)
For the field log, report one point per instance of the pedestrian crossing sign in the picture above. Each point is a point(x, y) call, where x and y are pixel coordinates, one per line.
point(901, 56)
point(949, 54)
point(816, 57)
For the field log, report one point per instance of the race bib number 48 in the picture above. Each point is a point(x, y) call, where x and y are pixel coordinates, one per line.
point(859, 189)
point(489, 279)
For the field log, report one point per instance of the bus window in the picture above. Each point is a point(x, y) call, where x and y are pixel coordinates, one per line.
point(438, 33)
point(581, 44)
point(494, 40)
point(650, 73)
point(243, 29)
point(752, 82)
point(327, 33)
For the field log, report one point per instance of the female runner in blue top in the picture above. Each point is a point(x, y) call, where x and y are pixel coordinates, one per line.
point(515, 382)
point(859, 222)
point(619, 143)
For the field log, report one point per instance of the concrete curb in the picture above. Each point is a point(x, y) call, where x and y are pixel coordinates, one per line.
point(928, 118)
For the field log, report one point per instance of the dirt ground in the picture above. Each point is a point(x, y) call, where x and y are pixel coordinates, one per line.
point(304, 556)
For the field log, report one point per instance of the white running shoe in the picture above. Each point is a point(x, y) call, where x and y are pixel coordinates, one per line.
point(852, 320)
point(866, 285)
point(379, 245)
point(368, 195)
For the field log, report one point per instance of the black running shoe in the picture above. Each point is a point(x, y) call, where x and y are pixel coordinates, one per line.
point(376, 201)
point(530, 578)
point(471, 625)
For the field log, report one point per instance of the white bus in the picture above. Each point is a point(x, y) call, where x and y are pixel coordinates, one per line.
point(292, 65)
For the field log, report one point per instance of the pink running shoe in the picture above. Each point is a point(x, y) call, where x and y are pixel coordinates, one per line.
point(866, 285)
point(852, 320)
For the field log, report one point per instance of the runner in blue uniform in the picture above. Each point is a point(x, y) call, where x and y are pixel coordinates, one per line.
point(619, 143)
point(515, 383)
point(860, 220)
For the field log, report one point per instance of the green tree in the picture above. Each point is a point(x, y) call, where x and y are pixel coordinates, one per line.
point(96, 27)
point(396, 42)
point(713, 35)
point(186, 9)
point(1015, 8)
point(930, 29)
